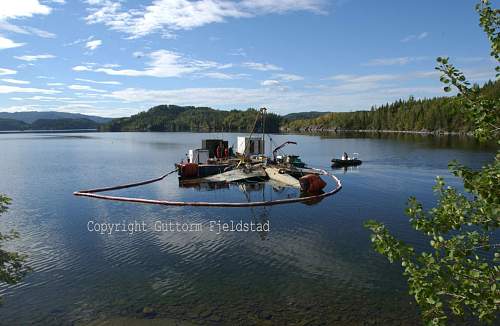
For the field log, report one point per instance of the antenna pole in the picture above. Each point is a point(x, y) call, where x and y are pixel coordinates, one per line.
point(263, 112)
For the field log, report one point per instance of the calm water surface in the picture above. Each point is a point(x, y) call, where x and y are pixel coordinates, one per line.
point(314, 267)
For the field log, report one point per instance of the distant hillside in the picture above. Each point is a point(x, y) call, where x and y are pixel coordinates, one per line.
point(63, 124)
point(303, 115)
point(190, 118)
point(440, 114)
point(11, 124)
point(47, 124)
point(32, 116)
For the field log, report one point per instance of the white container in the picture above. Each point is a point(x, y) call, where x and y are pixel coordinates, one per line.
point(253, 146)
point(199, 156)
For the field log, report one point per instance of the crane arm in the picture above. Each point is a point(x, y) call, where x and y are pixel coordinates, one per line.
point(281, 146)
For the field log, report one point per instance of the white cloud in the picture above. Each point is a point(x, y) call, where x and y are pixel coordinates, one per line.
point(194, 96)
point(163, 63)
point(272, 97)
point(111, 65)
point(25, 30)
point(364, 78)
point(279, 79)
point(349, 92)
point(221, 75)
point(422, 35)
point(73, 108)
point(270, 82)
point(238, 52)
point(15, 81)
point(78, 41)
point(400, 61)
point(106, 82)
point(138, 54)
point(94, 44)
point(22, 8)
point(224, 66)
point(18, 108)
point(12, 28)
point(6, 43)
point(35, 57)
point(6, 89)
point(415, 37)
point(288, 77)
point(166, 16)
point(283, 6)
point(40, 32)
point(35, 98)
point(81, 68)
point(261, 66)
point(85, 88)
point(5, 71)
point(4, 25)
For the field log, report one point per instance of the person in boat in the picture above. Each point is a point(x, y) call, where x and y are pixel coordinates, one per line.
point(345, 156)
point(218, 152)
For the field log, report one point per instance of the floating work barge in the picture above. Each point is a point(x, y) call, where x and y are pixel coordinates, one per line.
point(217, 162)
point(215, 166)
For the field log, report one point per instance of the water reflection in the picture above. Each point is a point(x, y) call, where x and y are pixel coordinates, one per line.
point(435, 141)
point(315, 266)
point(345, 169)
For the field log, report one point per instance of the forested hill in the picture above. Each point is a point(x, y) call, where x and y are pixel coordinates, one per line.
point(11, 124)
point(31, 116)
point(190, 118)
point(47, 124)
point(442, 114)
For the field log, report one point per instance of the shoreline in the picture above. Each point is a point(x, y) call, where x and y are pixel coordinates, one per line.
point(306, 131)
point(374, 131)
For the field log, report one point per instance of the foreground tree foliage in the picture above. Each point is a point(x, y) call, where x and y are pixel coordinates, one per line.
point(460, 275)
point(12, 264)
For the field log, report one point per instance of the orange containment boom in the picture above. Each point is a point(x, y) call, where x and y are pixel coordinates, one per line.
point(92, 193)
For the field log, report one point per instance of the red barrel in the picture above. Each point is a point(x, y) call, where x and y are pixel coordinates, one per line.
point(312, 183)
point(189, 170)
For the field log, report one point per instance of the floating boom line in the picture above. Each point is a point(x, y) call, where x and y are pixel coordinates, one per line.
point(93, 193)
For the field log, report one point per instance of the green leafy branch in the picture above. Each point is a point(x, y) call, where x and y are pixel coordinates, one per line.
point(13, 266)
point(460, 274)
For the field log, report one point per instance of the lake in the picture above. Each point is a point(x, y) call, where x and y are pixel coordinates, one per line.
point(315, 266)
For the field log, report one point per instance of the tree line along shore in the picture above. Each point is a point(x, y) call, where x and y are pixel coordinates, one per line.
point(439, 115)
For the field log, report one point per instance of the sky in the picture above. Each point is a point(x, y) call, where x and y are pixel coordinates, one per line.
point(117, 58)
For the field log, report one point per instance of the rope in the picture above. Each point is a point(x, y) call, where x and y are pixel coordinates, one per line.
point(92, 194)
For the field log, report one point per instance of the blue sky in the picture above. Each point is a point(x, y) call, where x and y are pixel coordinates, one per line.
point(116, 58)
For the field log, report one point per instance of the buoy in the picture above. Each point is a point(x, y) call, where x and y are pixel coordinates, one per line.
point(312, 183)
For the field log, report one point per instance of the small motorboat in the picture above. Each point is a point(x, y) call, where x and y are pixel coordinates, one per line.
point(346, 161)
point(336, 162)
